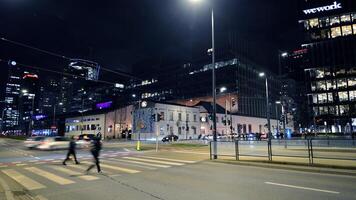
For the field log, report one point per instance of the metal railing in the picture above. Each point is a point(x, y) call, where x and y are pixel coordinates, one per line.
point(310, 150)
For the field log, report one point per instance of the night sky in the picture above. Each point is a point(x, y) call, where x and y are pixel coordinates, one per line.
point(120, 33)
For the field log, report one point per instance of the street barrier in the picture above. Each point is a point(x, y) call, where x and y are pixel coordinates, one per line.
point(308, 151)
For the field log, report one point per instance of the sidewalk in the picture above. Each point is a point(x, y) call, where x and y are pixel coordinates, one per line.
point(290, 166)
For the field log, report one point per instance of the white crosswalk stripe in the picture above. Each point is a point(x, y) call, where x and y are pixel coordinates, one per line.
point(25, 181)
point(169, 159)
point(74, 173)
point(122, 169)
point(50, 176)
point(143, 163)
point(114, 160)
point(154, 161)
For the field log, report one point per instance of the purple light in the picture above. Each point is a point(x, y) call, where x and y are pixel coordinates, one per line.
point(39, 117)
point(104, 105)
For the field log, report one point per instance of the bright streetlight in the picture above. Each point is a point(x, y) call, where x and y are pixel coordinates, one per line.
point(284, 54)
point(223, 89)
point(261, 74)
point(212, 51)
point(24, 91)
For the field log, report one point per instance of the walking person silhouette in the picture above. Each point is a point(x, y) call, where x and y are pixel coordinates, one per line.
point(95, 151)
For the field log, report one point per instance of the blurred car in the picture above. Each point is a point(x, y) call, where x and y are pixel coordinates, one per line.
point(170, 138)
point(54, 143)
point(84, 141)
point(33, 142)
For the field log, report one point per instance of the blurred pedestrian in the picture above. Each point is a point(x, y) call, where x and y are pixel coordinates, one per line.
point(95, 151)
point(71, 151)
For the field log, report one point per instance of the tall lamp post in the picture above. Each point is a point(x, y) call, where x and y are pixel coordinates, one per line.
point(212, 51)
point(277, 116)
point(262, 74)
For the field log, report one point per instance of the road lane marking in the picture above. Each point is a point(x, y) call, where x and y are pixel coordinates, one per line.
point(40, 197)
point(154, 161)
point(74, 173)
point(26, 182)
point(168, 159)
point(303, 188)
point(18, 165)
point(49, 176)
point(8, 193)
point(130, 171)
point(142, 163)
point(112, 160)
point(127, 150)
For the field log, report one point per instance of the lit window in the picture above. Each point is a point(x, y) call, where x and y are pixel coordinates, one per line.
point(313, 86)
point(332, 110)
point(325, 33)
point(315, 98)
point(346, 30)
point(314, 23)
point(324, 22)
point(316, 111)
point(330, 85)
point(323, 110)
point(341, 83)
point(341, 71)
point(352, 71)
point(334, 20)
point(306, 25)
point(345, 18)
point(352, 81)
point(319, 73)
point(330, 97)
point(344, 109)
point(352, 95)
point(353, 15)
point(322, 98)
point(321, 85)
point(335, 32)
point(354, 27)
point(343, 96)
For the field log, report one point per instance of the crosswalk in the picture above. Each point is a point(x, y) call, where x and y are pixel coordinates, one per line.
point(36, 176)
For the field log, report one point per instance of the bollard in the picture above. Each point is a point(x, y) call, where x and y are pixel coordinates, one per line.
point(138, 146)
point(237, 153)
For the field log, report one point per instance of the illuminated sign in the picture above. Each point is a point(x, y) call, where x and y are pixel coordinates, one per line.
point(144, 104)
point(333, 6)
point(34, 76)
point(39, 117)
point(104, 105)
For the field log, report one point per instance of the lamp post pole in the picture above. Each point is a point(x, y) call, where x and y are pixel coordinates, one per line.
point(214, 84)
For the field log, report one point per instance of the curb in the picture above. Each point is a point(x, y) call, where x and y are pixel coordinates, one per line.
point(291, 167)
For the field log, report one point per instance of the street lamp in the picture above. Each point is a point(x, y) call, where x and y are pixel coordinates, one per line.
point(277, 103)
point(262, 74)
point(212, 51)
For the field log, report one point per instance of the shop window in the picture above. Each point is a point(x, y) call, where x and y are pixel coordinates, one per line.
point(319, 73)
point(250, 128)
point(345, 18)
point(354, 28)
point(343, 96)
point(321, 85)
point(324, 22)
point(344, 109)
point(341, 83)
point(314, 23)
point(330, 97)
point(322, 98)
point(335, 32)
point(352, 81)
point(346, 30)
point(352, 71)
point(352, 95)
point(334, 20)
point(330, 85)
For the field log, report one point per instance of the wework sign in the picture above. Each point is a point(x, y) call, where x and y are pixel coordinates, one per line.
point(333, 6)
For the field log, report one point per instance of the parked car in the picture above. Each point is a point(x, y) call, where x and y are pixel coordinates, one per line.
point(170, 138)
point(33, 142)
point(53, 143)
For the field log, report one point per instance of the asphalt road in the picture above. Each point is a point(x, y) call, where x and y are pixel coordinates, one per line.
point(167, 175)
